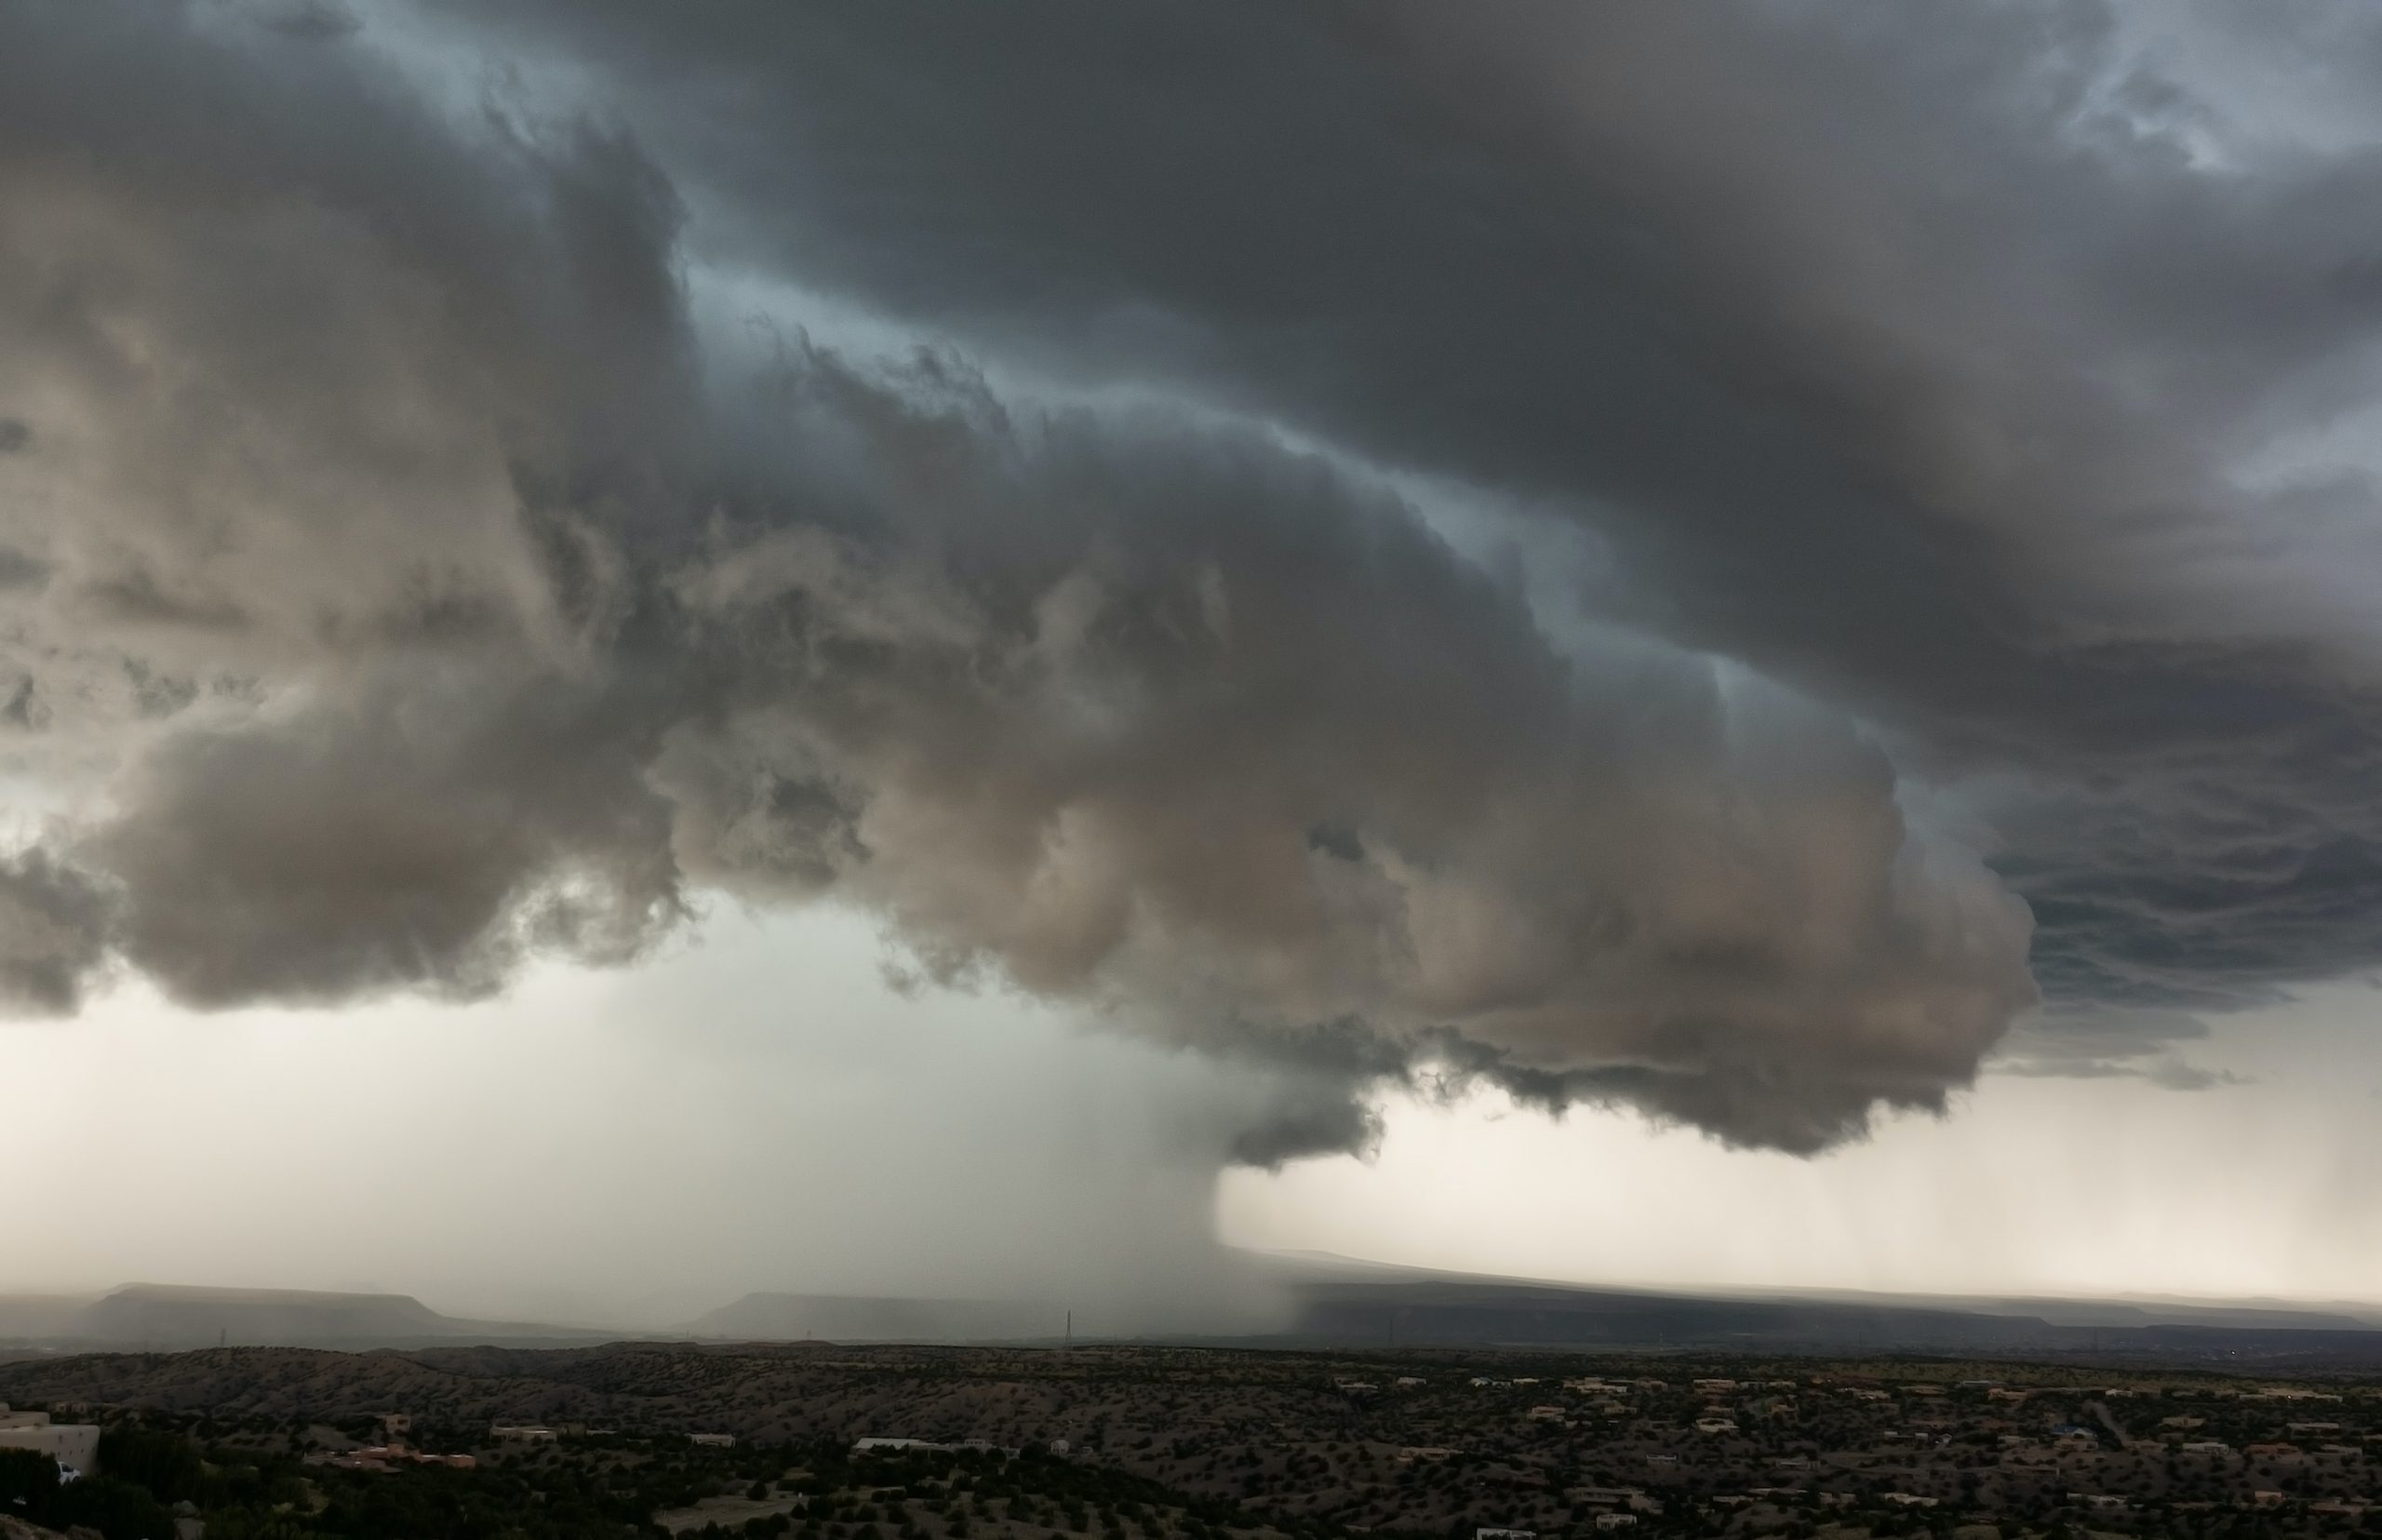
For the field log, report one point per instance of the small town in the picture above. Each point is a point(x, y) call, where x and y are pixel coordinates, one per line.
point(1186, 1444)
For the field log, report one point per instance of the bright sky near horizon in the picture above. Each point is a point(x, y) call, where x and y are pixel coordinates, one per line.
point(758, 1111)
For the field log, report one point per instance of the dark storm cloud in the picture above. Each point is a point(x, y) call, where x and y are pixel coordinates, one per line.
point(351, 428)
point(445, 593)
point(53, 934)
point(1068, 698)
point(2094, 1042)
point(1936, 362)
point(506, 613)
point(402, 836)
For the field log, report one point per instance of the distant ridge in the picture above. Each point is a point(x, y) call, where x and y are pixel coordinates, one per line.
point(873, 1318)
point(1331, 1301)
point(167, 1317)
point(1305, 1271)
point(1344, 1301)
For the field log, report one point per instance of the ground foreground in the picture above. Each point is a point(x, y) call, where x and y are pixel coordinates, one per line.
point(1129, 1443)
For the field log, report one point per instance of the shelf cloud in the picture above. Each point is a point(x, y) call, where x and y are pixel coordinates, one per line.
point(1710, 561)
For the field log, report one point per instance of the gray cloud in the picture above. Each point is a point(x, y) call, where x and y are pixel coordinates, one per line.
point(528, 614)
point(1180, 725)
point(53, 933)
point(1976, 374)
point(403, 836)
point(2096, 1042)
point(438, 591)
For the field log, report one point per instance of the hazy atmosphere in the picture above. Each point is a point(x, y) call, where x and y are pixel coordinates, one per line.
point(655, 652)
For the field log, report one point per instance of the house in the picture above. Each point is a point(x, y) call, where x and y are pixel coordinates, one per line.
point(1715, 1424)
point(1616, 1520)
point(1607, 1497)
point(523, 1433)
point(76, 1446)
point(713, 1440)
point(1503, 1534)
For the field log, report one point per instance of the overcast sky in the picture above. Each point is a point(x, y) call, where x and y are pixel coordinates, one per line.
point(648, 652)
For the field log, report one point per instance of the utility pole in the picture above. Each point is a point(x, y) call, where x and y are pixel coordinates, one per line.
point(1070, 1340)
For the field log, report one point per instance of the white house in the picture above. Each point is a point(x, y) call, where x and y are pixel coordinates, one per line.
point(76, 1446)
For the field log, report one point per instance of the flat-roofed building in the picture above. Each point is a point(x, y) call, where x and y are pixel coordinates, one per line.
point(76, 1446)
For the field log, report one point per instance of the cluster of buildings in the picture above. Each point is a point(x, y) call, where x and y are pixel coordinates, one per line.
point(973, 1446)
point(394, 1451)
point(523, 1433)
point(390, 1457)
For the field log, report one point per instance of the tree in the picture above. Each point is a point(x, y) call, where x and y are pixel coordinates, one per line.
point(117, 1509)
point(28, 1481)
point(167, 1464)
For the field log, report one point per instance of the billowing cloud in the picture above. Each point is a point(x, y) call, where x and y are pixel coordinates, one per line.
point(406, 575)
point(1194, 730)
point(2004, 377)
point(53, 933)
